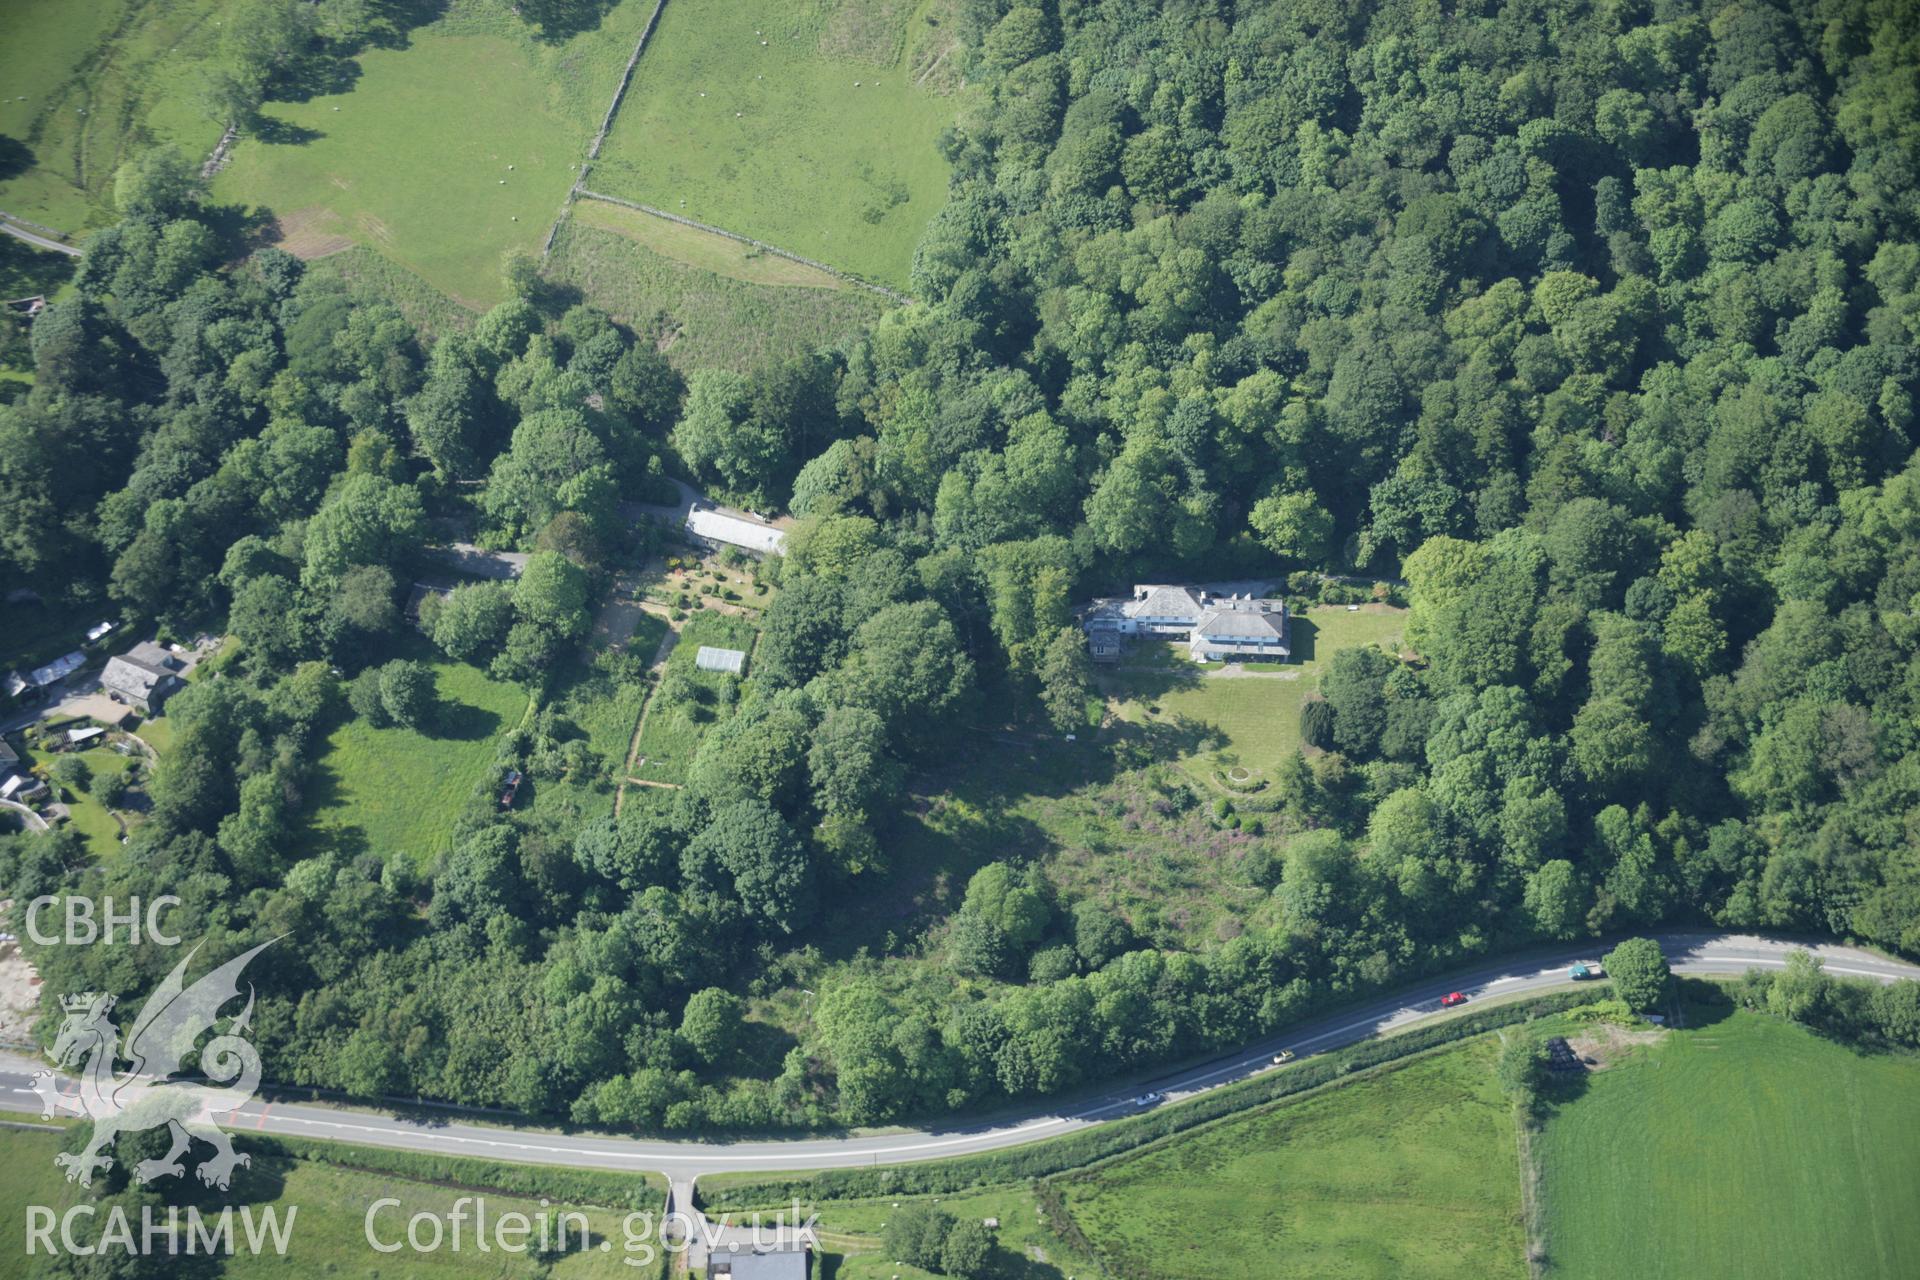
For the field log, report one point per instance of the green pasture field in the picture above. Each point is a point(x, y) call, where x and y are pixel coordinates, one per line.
point(412, 160)
point(1409, 1172)
point(1746, 1148)
point(85, 84)
point(699, 317)
point(821, 140)
point(672, 737)
point(399, 790)
point(704, 249)
point(329, 1204)
point(1255, 716)
point(367, 272)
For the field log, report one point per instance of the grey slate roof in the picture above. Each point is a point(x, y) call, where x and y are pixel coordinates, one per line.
point(139, 671)
point(1238, 622)
point(1164, 602)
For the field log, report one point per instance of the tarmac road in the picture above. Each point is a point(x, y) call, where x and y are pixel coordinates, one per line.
point(462, 1133)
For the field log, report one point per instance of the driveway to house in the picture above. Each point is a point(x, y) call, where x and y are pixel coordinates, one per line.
point(77, 695)
point(454, 1131)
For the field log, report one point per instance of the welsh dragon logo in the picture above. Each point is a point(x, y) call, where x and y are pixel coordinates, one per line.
point(170, 1022)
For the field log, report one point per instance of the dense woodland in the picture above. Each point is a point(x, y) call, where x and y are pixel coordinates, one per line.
point(1595, 324)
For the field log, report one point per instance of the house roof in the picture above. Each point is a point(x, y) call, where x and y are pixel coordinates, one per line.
point(720, 526)
point(1241, 622)
point(138, 671)
point(8, 756)
point(21, 784)
point(1164, 602)
point(787, 1262)
point(153, 655)
point(85, 734)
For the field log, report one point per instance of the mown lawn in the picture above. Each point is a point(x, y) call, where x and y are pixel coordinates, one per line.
point(1253, 720)
point(812, 126)
point(413, 159)
point(1748, 1149)
point(399, 790)
point(329, 1205)
point(701, 318)
point(86, 814)
point(85, 84)
point(1412, 1172)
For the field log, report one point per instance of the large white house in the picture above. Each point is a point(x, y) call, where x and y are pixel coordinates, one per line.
point(1216, 628)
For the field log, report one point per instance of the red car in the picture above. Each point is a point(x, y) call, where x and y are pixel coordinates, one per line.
point(1451, 999)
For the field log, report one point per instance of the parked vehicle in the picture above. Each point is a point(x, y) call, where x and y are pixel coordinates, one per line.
point(1451, 999)
point(509, 788)
point(1584, 972)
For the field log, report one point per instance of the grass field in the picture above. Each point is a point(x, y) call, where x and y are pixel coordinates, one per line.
point(423, 305)
point(702, 318)
point(1747, 1148)
point(330, 1206)
point(672, 736)
point(1256, 716)
point(84, 84)
point(703, 249)
point(400, 790)
point(820, 140)
point(413, 160)
point(1408, 1173)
